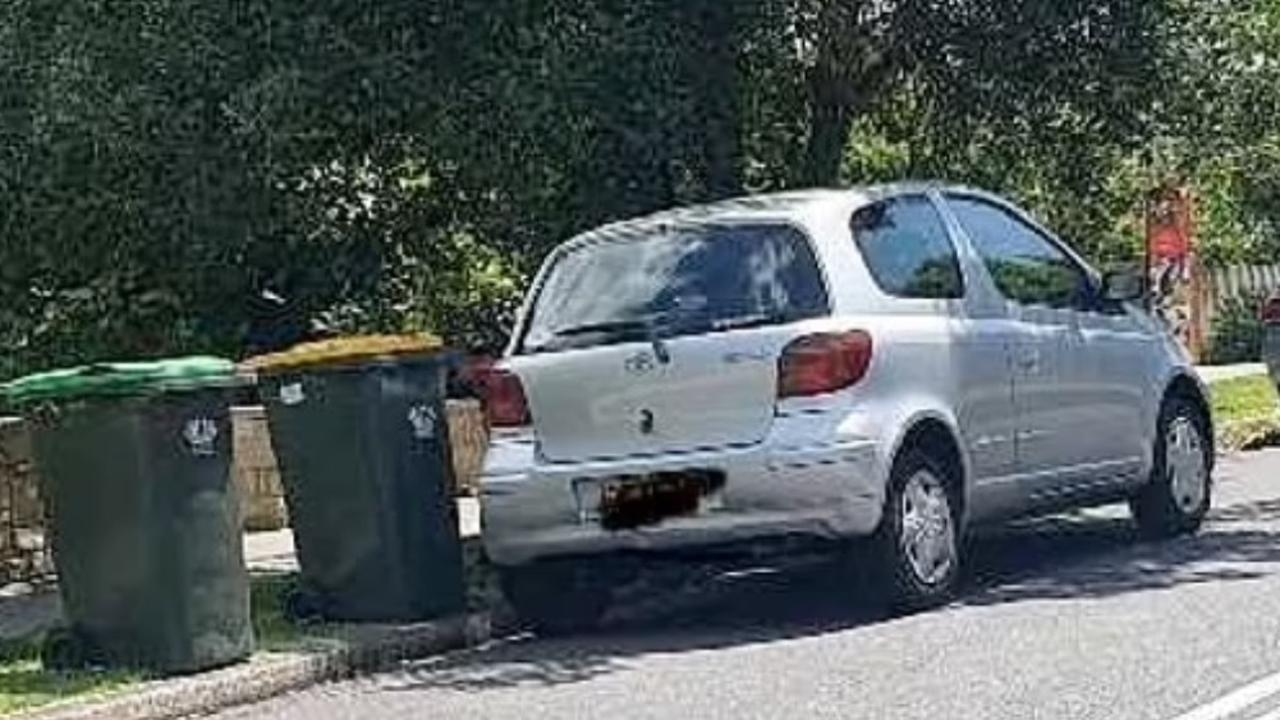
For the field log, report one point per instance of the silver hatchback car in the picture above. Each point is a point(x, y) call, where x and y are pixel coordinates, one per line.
point(890, 364)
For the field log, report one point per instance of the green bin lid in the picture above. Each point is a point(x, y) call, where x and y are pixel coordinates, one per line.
point(122, 378)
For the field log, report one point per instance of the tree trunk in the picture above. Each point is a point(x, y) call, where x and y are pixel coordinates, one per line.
point(714, 65)
point(854, 58)
point(830, 123)
point(830, 112)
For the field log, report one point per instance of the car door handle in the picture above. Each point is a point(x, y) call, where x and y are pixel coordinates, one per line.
point(1028, 359)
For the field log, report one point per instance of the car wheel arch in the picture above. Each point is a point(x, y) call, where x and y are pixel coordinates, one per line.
point(1184, 385)
point(937, 435)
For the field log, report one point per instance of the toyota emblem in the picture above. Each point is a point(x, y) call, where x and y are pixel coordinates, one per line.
point(642, 363)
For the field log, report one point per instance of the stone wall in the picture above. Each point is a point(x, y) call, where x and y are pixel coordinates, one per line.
point(23, 555)
point(257, 476)
point(469, 441)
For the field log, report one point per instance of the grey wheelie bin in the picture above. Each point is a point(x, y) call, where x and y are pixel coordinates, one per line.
point(135, 460)
point(358, 426)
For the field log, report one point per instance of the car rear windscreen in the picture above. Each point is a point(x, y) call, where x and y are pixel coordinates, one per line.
point(675, 281)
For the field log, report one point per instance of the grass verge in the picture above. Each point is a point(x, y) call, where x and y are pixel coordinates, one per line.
point(25, 684)
point(272, 628)
point(1247, 411)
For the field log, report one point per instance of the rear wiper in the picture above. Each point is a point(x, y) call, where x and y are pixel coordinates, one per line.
point(606, 326)
point(649, 327)
point(743, 322)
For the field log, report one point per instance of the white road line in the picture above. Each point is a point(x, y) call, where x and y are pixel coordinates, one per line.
point(1237, 700)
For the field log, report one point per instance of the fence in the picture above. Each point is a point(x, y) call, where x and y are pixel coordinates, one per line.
point(24, 555)
point(1241, 283)
point(1223, 298)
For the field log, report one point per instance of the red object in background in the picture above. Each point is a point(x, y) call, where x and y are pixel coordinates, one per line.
point(1169, 243)
point(1271, 310)
point(473, 372)
point(1169, 230)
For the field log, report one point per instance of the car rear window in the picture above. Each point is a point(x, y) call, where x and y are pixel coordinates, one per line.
point(680, 280)
point(908, 249)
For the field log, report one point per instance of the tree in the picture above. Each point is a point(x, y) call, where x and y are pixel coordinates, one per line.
point(974, 71)
point(407, 165)
point(1220, 126)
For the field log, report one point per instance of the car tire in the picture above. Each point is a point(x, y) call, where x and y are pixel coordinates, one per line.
point(556, 597)
point(1176, 498)
point(915, 552)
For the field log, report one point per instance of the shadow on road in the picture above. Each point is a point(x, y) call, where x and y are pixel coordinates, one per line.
point(1065, 557)
point(691, 617)
point(1073, 557)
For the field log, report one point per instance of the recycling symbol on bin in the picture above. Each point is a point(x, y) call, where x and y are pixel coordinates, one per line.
point(201, 434)
point(422, 418)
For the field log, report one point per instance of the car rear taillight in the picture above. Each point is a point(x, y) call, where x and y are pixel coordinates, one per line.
point(823, 363)
point(1271, 311)
point(505, 402)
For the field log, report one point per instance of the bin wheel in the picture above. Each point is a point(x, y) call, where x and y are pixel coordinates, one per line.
point(66, 649)
point(303, 607)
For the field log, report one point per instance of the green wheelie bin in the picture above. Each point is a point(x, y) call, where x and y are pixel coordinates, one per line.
point(358, 426)
point(135, 461)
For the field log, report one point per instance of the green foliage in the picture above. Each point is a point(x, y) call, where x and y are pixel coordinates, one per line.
point(1238, 333)
point(407, 165)
point(25, 684)
point(1247, 413)
point(1244, 398)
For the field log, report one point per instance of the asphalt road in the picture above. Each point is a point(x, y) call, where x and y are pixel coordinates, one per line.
point(1066, 618)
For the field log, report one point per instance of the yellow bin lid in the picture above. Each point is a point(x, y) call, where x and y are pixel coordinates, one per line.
point(345, 351)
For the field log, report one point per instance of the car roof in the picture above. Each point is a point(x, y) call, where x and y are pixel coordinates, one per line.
point(767, 206)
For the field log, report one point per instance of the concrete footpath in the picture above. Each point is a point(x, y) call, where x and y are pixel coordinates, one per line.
point(1218, 373)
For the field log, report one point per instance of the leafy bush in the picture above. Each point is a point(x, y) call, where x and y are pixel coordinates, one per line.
point(406, 165)
point(1237, 332)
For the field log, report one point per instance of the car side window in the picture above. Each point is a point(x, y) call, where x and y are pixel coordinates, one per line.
point(908, 249)
point(1027, 267)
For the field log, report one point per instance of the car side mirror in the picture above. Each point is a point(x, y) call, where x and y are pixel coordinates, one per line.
point(1121, 286)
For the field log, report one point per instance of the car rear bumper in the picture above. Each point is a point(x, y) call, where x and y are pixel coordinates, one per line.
point(773, 489)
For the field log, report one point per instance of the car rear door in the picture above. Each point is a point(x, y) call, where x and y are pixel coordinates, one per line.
point(665, 341)
point(912, 256)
